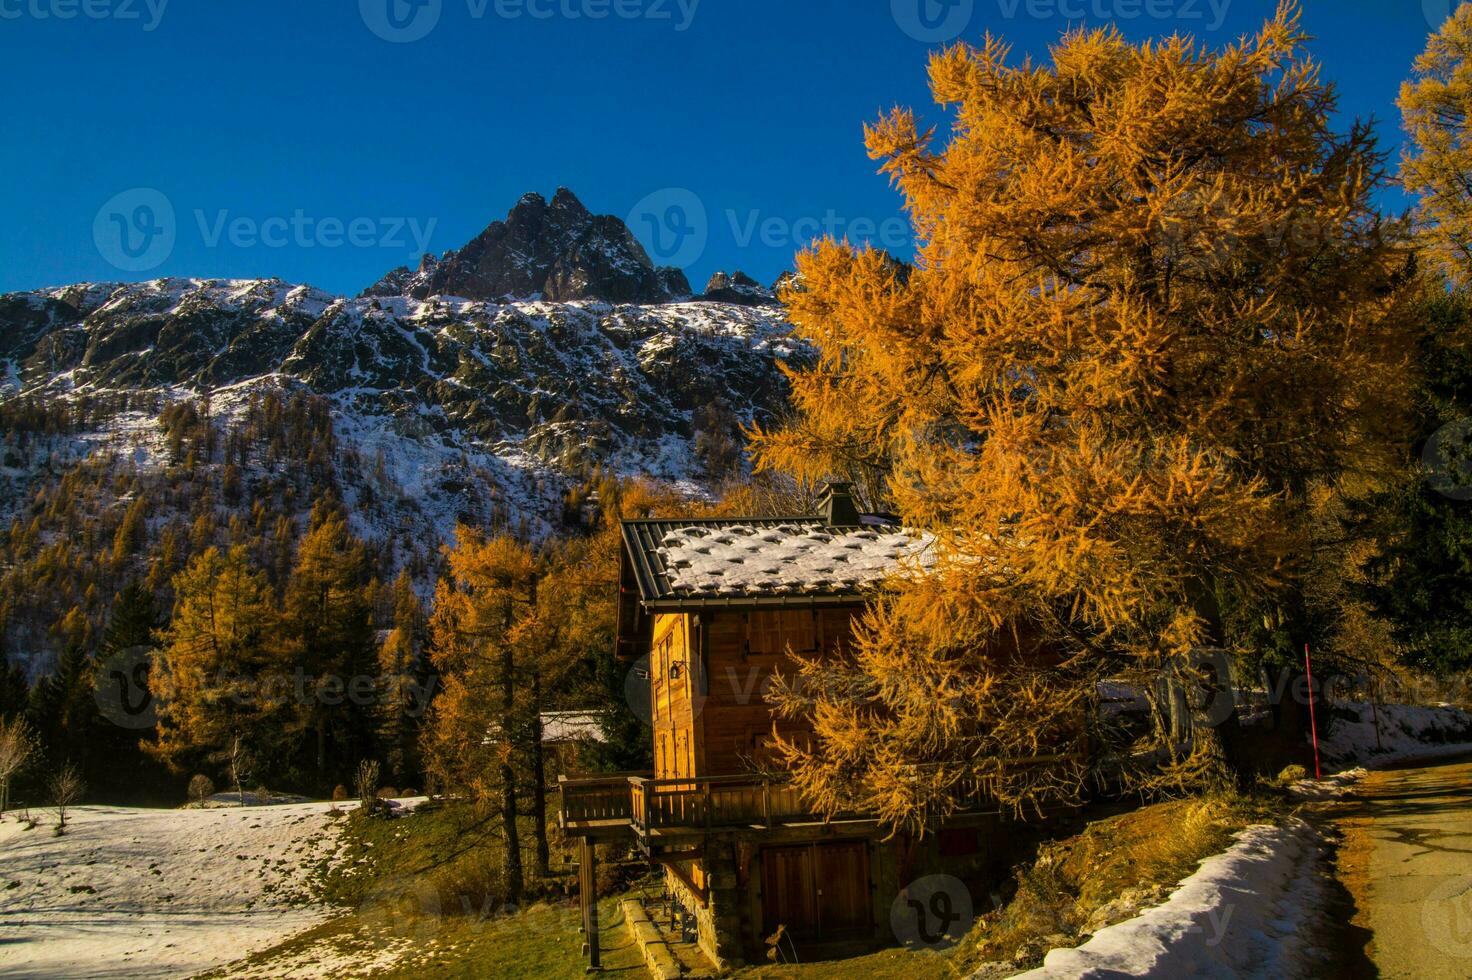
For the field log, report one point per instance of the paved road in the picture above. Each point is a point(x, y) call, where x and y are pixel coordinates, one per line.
point(1406, 859)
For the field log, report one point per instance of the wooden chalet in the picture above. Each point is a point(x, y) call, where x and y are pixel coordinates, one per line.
point(709, 610)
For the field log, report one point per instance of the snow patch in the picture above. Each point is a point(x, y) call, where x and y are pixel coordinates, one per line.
point(1391, 732)
point(1244, 913)
point(146, 893)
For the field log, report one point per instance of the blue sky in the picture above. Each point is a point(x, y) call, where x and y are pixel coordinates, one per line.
point(325, 141)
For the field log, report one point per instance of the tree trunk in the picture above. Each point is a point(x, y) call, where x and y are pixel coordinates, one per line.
point(539, 780)
point(508, 773)
point(513, 840)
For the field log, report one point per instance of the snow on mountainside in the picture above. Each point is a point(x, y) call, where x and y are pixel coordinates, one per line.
point(526, 391)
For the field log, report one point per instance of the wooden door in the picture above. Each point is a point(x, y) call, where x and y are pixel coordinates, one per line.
point(842, 881)
point(820, 892)
point(788, 895)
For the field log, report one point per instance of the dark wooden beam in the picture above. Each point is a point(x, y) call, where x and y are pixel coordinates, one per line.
point(693, 854)
point(588, 898)
point(700, 893)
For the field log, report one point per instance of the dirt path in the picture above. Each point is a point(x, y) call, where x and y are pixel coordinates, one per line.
point(1406, 860)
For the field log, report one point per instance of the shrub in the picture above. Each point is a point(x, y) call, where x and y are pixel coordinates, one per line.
point(339, 793)
point(66, 791)
point(1292, 775)
point(388, 793)
point(367, 787)
point(201, 788)
point(474, 886)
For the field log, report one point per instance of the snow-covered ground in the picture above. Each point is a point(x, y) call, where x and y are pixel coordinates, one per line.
point(1382, 735)
point(1243, 913)
point(1249, 911)
point(149, 893)
point(1389, 732)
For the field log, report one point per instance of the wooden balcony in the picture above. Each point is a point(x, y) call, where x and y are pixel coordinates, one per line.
point(636, 803)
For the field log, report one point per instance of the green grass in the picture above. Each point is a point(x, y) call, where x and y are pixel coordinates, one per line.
point(430, 885)
point(426, 886)
point(540, 941)
point(883, 965)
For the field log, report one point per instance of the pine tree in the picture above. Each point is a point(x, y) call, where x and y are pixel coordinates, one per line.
point(1418, 580)
point(117, 760)
point(133, 622)
point(327, 622)
point(130, 534)
point(62, 708)
point(406, 683)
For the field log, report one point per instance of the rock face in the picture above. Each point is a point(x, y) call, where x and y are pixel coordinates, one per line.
point(738, 288)
point(552, 386)
point(556, 251)
point(403, 281)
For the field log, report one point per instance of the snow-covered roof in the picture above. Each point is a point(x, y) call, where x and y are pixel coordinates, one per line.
point(699, 562)
point(572, 726)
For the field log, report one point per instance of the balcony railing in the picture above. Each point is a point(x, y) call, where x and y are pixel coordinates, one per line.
point(647, 806)
point(597, 799)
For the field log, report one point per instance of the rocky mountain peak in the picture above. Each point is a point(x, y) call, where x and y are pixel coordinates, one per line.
point(557, 251)
point(737, 287)
point(567, 202)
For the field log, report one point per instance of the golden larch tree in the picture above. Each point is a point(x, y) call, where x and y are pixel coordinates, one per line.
point(1435, 104)
point(1153, 303)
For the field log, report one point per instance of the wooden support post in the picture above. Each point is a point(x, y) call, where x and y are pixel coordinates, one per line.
point(588, 896)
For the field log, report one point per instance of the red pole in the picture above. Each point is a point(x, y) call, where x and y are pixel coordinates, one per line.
point(1375, 710)
point(1312, 722)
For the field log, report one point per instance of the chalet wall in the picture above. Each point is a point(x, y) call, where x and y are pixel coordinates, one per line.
point(673, 698)
point(742, 652)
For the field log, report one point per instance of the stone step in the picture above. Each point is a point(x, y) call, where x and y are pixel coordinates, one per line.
point(658, 959)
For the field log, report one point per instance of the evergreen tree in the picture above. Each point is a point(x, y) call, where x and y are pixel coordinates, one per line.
point(1421, 579)
point(481, 719)
point(327, 623)
point(406, 682)
point(133, 622)
point(62, 709)
point(130, 534)
point(118, 764)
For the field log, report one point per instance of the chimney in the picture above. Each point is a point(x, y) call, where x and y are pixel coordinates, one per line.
point(836, 505)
